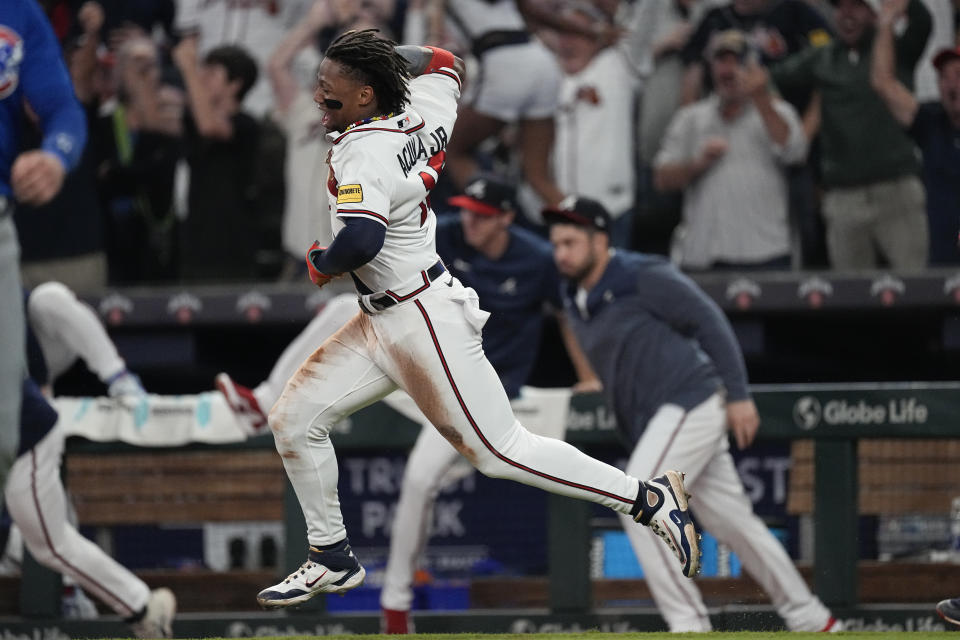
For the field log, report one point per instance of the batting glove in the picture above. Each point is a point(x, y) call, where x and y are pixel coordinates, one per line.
point(314, 252)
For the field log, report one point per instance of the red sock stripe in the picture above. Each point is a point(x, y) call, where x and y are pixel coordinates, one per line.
point(483, 439)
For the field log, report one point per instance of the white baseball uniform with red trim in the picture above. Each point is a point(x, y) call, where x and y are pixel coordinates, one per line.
point(420, 330)
point(66, 329)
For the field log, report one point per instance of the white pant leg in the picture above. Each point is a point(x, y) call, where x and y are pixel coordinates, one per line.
point(334, 315)
point(38, 505)
point(432, 348)
point(337, 380)
point(674, 439)
point(427, 471)
point(423, 477)
point(723, 508)
point(67, 328)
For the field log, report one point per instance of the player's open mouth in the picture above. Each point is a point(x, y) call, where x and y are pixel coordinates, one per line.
point(325, 119)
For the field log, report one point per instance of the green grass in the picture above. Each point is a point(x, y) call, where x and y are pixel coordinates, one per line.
point(716, 635)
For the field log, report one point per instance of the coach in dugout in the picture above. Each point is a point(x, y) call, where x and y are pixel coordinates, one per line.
point(673, 372)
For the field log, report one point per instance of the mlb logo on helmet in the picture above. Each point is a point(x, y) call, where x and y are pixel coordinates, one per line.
point(11, 55)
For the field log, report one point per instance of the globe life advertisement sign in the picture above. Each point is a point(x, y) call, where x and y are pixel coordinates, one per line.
point(845, 410)
point(809, 412)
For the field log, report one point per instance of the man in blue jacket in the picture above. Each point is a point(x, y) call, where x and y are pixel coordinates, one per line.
point(32, 76)
point(675, 377)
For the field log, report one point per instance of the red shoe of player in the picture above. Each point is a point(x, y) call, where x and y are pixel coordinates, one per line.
point(395, 622)
point(243, 403)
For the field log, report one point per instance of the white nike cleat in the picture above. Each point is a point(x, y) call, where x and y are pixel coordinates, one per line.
point(662, 506)
point(334, 570)
point(157, 621)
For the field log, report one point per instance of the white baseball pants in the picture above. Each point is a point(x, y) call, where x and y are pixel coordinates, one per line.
point(430, 347)
point(696, 441)
point(430, 467)
point(68, 328)
point(334, 314)
point(38, 505)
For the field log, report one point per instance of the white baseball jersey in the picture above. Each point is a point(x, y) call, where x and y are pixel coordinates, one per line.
point(383, 170)
point(591, 155)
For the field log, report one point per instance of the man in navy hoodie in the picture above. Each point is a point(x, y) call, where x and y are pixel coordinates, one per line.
point(673, 373)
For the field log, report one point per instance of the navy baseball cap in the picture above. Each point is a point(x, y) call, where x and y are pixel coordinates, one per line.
point(579, 211)
point(487, 195)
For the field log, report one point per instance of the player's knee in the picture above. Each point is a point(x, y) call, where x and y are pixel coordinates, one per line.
point(492, 466)
point(49, 297)
point(513, 447)
point(45, 554)
point(294, 421)
point(280, 418)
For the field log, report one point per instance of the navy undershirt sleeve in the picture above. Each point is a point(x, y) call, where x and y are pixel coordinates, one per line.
point(355, 245)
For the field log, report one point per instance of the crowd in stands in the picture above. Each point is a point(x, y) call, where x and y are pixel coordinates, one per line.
point(728, 134)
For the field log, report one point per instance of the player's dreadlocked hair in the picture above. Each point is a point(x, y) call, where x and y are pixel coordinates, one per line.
point(373, 61)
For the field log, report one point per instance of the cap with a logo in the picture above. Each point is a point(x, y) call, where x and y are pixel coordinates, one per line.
point(944, 56)
point(487, 195)
point(579, 211)
point(728, 41)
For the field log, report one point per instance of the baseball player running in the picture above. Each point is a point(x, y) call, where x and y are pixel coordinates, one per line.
point(673, 372)
point(513, 273)
point(419, 328)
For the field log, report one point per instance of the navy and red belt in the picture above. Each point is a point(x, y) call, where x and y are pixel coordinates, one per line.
point(382, 301)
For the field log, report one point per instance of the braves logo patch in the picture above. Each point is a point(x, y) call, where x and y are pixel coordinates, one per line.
point(11, 55)
point(349, 193)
